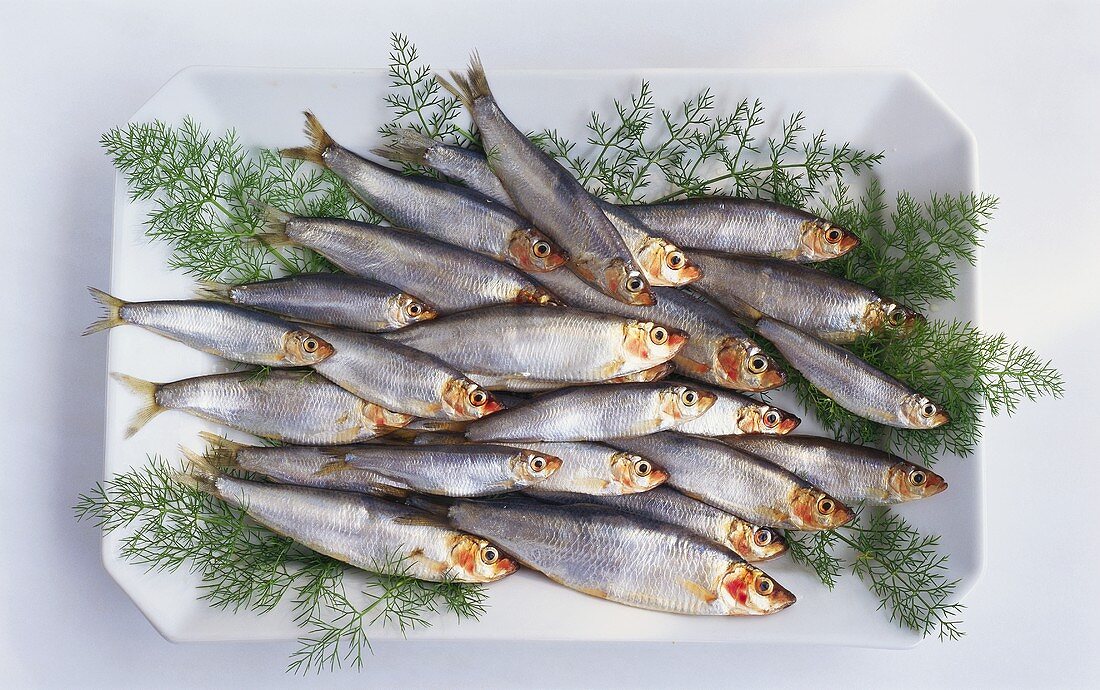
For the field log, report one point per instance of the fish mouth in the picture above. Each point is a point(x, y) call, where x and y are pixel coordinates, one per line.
point(676, 340)
point(491, 406)
point(935, 485)
point(656, 478)
point(847, 243)
point(939, 419)
point(789, 423)
point(781, 599)
point(644, 298)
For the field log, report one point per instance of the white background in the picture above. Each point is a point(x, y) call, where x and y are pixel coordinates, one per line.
point(1023, 76)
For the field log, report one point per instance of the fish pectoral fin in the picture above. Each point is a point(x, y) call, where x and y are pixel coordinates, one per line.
point(387, 490)
point(698, 590)
point(429, 563)
point(333, 467)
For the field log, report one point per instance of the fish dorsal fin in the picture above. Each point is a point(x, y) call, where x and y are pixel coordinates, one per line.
point(333, 467)
point(700, 591)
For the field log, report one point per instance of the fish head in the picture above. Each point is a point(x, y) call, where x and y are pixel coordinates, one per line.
point(634, 474)
point(889, 318)
point(540, 296)
point(530, 467)
point(666, 264)
point(652, 342)
point(747, 590)
point(922, 413)
point(478, 560)
point(744, 366)
point(467, 400)
point(822, 240)
point(682, 403)
point(814, 509)
point(533, 251)
point(405, 310)
point(374, 416)
point(753, 542)
point(764, 419)
point(908, 482)
point(627, 284)
point(302, 349)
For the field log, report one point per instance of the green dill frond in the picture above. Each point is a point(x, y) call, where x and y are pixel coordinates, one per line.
point(815, 551)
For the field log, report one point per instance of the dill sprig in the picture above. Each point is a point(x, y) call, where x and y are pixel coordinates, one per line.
point(244, 566)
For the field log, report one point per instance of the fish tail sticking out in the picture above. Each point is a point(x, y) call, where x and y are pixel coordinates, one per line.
point(470, 86)
point(319, 142)
point(200, 474)
point(221, 452)
point(208, 289)
point(111, 308)
point(150, 408)
point(410, 146)
point(274, 232)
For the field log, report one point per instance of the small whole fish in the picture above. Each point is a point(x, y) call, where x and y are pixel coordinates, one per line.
point(662, 262)
point(851, 382)
point(468, 470)
point(733, 413)
point(624, 558)
point(717, 351)
point(532, 385)
point(752, 227)
point(562, 345)
point(595, 413)
point(286, 406)
point(445, 211)
point(371, 533)
point(739, 483)
point(751, 542)
point(550, 196)
point(220, 329)
point(851, 472)
point(402, 378)
point(597, 470)
point(832, 308)
point(449, 278)
point(330, 299)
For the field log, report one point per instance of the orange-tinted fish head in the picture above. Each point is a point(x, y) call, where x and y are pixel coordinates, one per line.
point(922, 413)
point(666, 264)
point(765, 419)
point(887, 318)
point(531, 467)
point(627, 284)
point(535, 252)
point(822, 240)
point(754, 543)
point(634, 474)
point(406, 309)
point(467, 400)
point(474, 559)
point(908, 482)
point(685, 402)
point(748, 591)
point(814, 509)
point(301, 348)
point(650, 343)
point(742, 365)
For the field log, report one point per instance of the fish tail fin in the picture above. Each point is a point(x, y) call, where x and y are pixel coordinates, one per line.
point(470, 86)
point(221, 452)
point(200, 474)
point(409, 146)
point(275, 220)
point(150, 408)
point(319, 142)
point(112, 308)
point(209, 289)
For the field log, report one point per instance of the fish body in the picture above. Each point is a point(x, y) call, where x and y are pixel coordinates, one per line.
point(751, 542)
point(562, 345)
point(733, 413)
point(624, 558)
point(329, 299)
point(752, 227)
point(527, 384)
point(739, 483)
point(596, 469)
point(851, 382)
point(851, 472)
point(594, 413)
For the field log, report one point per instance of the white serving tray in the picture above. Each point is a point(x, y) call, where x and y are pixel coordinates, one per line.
point(927, 150)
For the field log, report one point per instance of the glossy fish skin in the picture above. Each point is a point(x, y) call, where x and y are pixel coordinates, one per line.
point(329, 299)
point(550, 196)
point(749, 541)
point(595, 469)
point(402, 378)
point(449, 278)
point(563, 345)
point(624, 558)
point(851, 382)
point(733, 413)
point(739, 483)
point(364, 531)
point(594, 413)
point(532, 385)
point(224, 330)
point(287, 406)
point(717, 351)
point(851, 472)
point(751, 227)
point(832, 308)
point(662, 262)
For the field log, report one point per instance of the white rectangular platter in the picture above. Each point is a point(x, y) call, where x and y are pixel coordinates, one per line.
point(927, 151)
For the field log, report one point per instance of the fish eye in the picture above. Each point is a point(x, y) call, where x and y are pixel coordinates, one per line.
point(675, 260)
point(771, 418)
point(765, 585)
point(538, 463)
point(479, 398)
point(917, 478)
point(642, 468)
point(490, 555)
point(928, 410)
point(832, 235)
point(897, 317)
point(763, 537)
point(658, 335)
point(414, 309)
point(689, 397)
point(758, 364)
point(634, 284)
point(826, 506)
point(541, 249)
point(310, 345)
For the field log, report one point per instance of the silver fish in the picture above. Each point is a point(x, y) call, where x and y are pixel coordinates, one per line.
point(752, 227)
point(851, 382)
point(733, 413)
point(449, 278)
point(624, 558)
point(371, 533)
point(283, 405)
point(832, 308)
point(851, 472)
point(402, 378)
point(717, 351)
point(532, 385)
point(224, 330)
point(596, 469)
point(563, 345)
point(751, 542)
point(739, 483)
point(331, 299)
point(595, 413)
point(550, 196)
